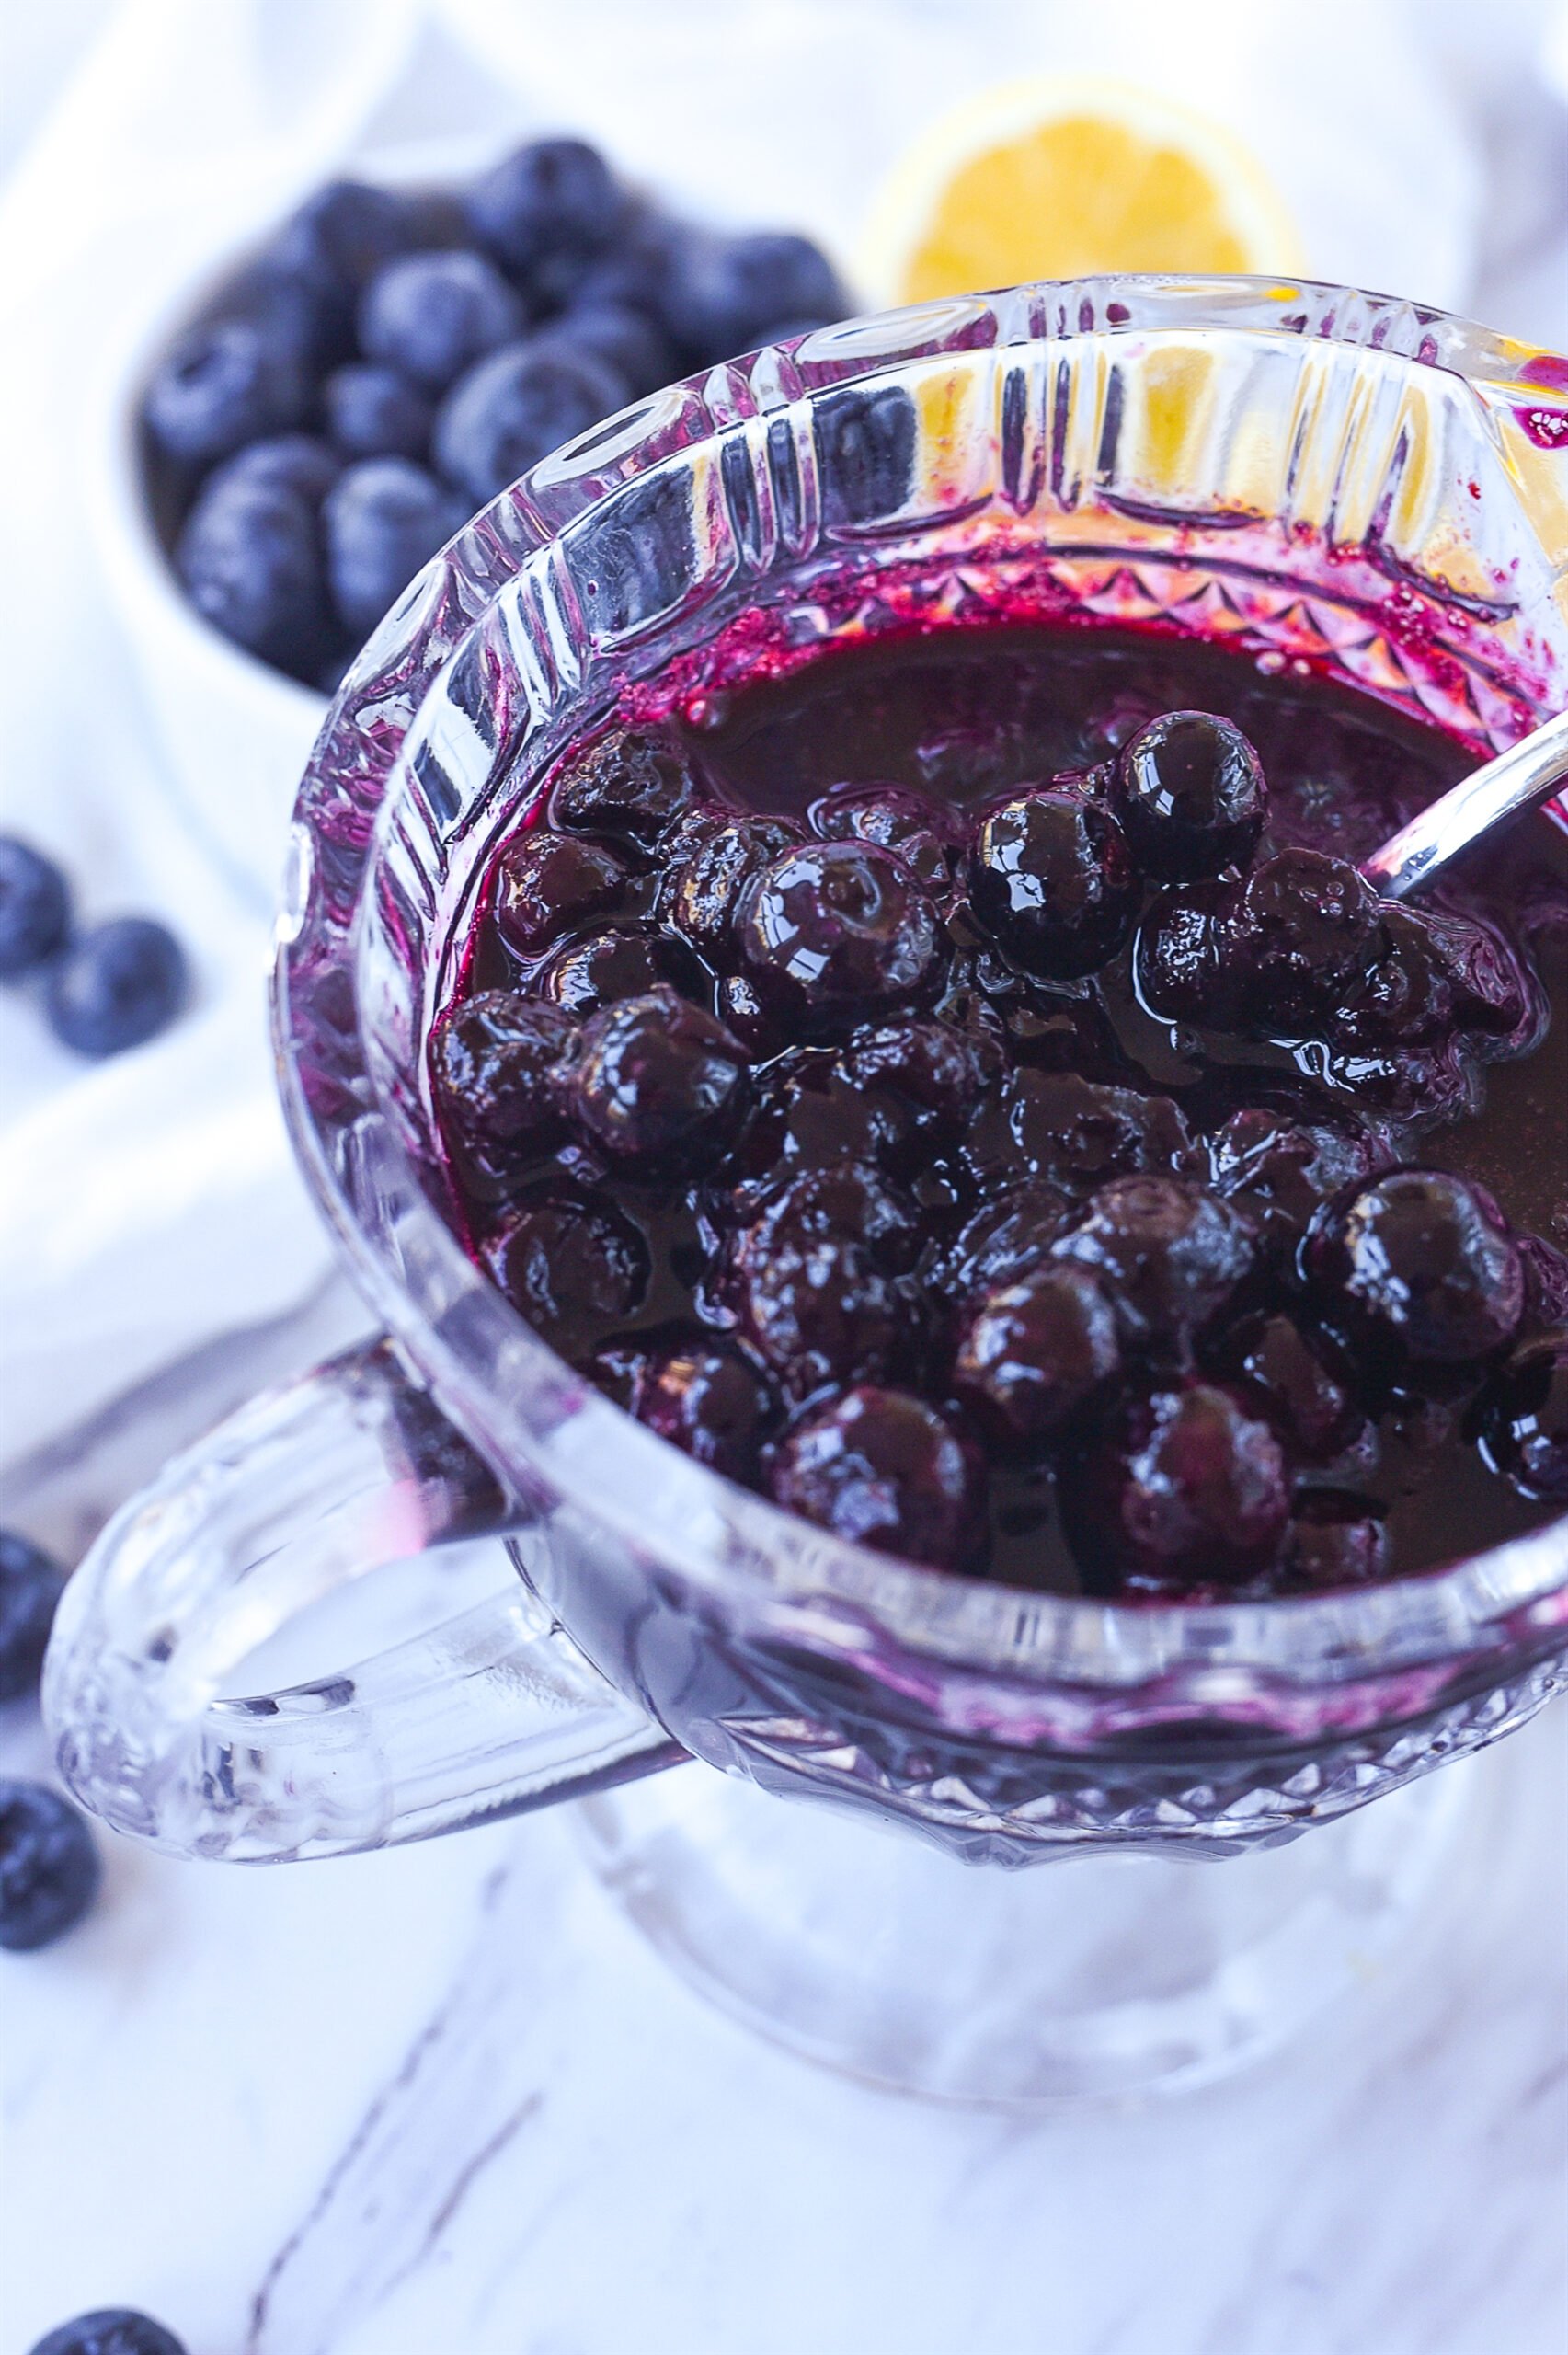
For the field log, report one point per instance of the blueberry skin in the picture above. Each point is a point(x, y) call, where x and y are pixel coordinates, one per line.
point(347, 231)
point(111, 2330)
point(547, 211)
point(626, 341)
point(293, 462)
point(376, 413)
point(384, 520)
point(35, 907)
point(727, 292)
point(116, 986)
point(517, 406)
point(222, 382)
point(249, 555)
point(31, 1585)
point(431, 315)
point(49, 1866)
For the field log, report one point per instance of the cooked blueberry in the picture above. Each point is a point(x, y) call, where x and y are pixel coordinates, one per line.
point(937, 1070)
point(896, 818)
point(1075, 1133)
point(249, 556)
point(1192, 798)
point(431, 315)
point(657, 1081)
point(110, 2330)
point(1034, 1352)
point(837, 930)
point(1546, 1282)
point(513, 407)
point(881, 1468)
point(1169, 1254)
point(708, 1401)
point(1421, 1267)
point(116, 985)
point(547, 211)
point(1334, 1539)
point(31, 1582)
point(631, 786)
point(1006, 1240)
point(1180, 957)
point(1523, 1419)
point(548, 883)
point(497, 1066)
point(1182, 1488)
point(1304, 925)
point(293, 462)
point(49, 1866)
point(571, 1265)
point(1051, 879)
point(811, 1116)
point(812, 1281)
point(376, 413)
point(711, 859)
point(35, 907)
point(1308, 1406)
point(726, 291)
point(384, 520)
point(583, 975)
point(622, 338)
point(1434, 975)
point(1280, 1171)
point(220, 383)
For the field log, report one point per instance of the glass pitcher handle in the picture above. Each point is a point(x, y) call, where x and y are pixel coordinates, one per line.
point(301, 1492)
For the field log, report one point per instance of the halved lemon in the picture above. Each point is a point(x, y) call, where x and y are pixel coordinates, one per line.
point(1064, 178)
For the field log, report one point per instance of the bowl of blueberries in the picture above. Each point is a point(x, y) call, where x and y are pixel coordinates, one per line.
point(307, 432)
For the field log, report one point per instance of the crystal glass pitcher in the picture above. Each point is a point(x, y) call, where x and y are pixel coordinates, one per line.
point(1314, 474)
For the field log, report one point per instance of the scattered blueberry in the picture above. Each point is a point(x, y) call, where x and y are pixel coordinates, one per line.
point(376, 413)
point(222, 383)
point(31, 1582)
point(431, 315)
point(35, 907)
point(112, 2330)
point(383, 519)
point(514, 407)
point(116, 986)
point(49, 1866)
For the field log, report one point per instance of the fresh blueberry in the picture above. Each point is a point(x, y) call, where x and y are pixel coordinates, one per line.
point(1033, 1354)
point(250, 558)
point(1182, 1488)
point(1191, 796)
point(547, 884)
point(431, 315)
point(376, 413)
point(497, 1065)
point(348, 231)
point(727, 292)
point(545, 211)
point(49, 1866)
point(35, 907)
point(118, 984)
point(571, 1265)
point(222, 382)
point(31, 1585)
point(623, 340)
point(881, 1468)
point(631, 786)
point(1051, 879)
point(297, 463)
point(514, 407)
point(708, 1401)
point(837, 930)
point(1523, 1419)
point(1423, 1270)
point(1170, 1254)
point(659, 1082)
point(111, 2330)
point(383, 519)
point(307, 317)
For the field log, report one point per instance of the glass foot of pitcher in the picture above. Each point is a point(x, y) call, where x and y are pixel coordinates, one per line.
point(1098, 1976)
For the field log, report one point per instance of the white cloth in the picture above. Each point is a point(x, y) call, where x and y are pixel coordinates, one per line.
point(148, 1203)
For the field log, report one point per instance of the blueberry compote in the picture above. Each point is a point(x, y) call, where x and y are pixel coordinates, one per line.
point(964, 1090)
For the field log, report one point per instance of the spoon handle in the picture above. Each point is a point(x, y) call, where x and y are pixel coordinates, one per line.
point(1517, 778)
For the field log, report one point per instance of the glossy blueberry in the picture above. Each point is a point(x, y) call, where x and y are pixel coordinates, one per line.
point(497, 1066)
point(633, 788)
point(1334, 1538)
point(1191, 796)
point(1074, 1132)
point(1006, 1240)
point(882, 1468)
point(297, 463)
point(376, 413)
point(116, 985)
point(939, 1071)
point(1523, 1419)
point(1035, 1351)
point(659, 1082)
point(832, 930)
point(1179, 957)
point(1421, 1269)
point(220, 383)
point(709, 1402)
point(431, 315)
point(894, 816)
point(727, 292)
point(348, 231)
point(110, 2330)
point(1170, 1254)
point(35, 907)
point(545, 211)
point(813, 1283)
point(249, 555)
point(1051, 879)
point(31, 1582)
point(1182, 1488)
point(512, 409)
point(1433, 974)
point(711, 859)
point(1304, 925)
point(583, 975)
point(1281, 1171)
point(571, 1265)
point(547, 884)
point(49, 1866)
point(383, 519)
point(622, 340)
point(1309, 1407)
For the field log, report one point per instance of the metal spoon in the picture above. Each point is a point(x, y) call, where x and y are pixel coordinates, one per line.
point(1515, 780)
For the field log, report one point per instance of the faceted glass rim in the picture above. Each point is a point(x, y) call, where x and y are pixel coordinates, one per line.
point(1509, 1600)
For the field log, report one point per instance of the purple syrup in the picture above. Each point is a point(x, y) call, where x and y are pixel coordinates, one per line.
point(938, 1096)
